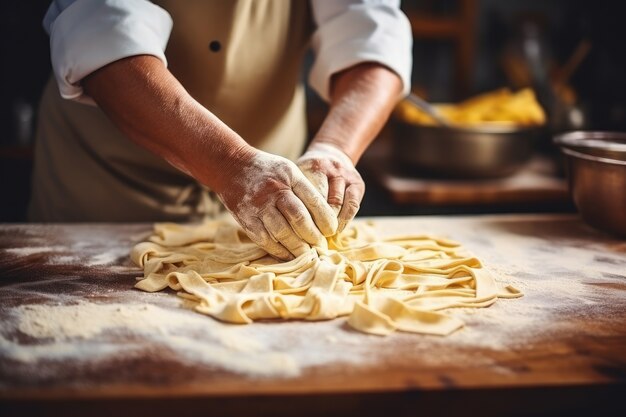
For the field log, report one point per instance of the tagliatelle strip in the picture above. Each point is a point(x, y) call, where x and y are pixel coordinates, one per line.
point(383, 285)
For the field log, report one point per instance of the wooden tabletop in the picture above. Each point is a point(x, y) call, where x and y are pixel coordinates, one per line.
point(561, 349)
point(535, 183)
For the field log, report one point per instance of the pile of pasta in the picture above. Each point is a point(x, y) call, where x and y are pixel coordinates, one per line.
point(402, 283)
point(501, 106)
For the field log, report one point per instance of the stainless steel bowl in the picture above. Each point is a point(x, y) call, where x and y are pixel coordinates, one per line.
point(486, 151)
point(597, 183)
point(610, 145)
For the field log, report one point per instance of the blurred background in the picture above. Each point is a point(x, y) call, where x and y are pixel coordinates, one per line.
point(569, 52)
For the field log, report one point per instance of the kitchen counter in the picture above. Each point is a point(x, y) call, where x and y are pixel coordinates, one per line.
point(396, 189)
point(560, 349)
point(536, 183)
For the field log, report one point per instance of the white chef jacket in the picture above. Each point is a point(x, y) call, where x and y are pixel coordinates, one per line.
point(86, 35)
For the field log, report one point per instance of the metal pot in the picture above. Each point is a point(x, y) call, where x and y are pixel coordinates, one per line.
point(596, 167)
point(485, 151)
point(610, 145)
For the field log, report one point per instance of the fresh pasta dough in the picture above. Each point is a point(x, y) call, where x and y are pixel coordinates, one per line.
point(383, 285)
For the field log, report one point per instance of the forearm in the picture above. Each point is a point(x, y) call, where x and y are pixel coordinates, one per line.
point(362, 99)
point(267, 194)
point(146, 102)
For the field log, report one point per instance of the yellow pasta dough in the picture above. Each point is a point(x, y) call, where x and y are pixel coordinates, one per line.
point(383, 285)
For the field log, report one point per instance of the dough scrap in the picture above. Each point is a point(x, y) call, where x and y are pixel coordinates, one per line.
point(383, 285)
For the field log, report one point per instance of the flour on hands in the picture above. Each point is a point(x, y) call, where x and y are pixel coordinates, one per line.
point(332, 172)
point(277, 207)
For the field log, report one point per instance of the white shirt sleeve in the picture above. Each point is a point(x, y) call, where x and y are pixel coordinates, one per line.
point(88, 34)
point(350, 32)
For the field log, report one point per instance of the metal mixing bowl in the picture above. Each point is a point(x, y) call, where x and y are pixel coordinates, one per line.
point(485, 151)
point(597, 182)
point(610, 145)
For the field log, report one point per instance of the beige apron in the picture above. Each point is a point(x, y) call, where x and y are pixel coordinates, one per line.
point(240, 59)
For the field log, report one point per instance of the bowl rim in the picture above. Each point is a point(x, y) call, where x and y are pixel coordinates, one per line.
point(486, 127)
point(592, 158)
point(592, 139)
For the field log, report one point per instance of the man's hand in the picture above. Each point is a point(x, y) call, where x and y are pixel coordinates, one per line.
point(333, 174)
point(274, 202)
point(271, 199)
point(278, 208)
point(362, 98)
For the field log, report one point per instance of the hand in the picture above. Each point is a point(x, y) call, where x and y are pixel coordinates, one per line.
point(278, 208)
point(333, 174)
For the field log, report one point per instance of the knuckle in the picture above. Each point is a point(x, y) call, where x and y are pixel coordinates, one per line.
point(298, 217)
point(261, 239)
point(352, 206)
point(335, 200)
point(283, 235)
point(294, 213)
point(337, 164)
point(356, 191)
point(284, 199)
point(272, 185)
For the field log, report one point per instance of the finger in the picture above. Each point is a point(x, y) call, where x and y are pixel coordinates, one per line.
point(318, 179)
point(256, 231)
point(321, 212)
point(336, 190)
point(281, 231)
point(300, 220)
point(351, 203)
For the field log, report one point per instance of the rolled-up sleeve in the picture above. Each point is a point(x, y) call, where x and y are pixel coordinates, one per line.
point(350, 32)
point(88, 34)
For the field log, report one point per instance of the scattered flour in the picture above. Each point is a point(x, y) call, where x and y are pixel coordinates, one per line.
point(64, 260)
point(108, 257)
point(87, 331)
point(32, 250)
point(83, 247)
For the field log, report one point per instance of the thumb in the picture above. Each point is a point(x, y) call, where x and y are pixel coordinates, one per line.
point(318, 179)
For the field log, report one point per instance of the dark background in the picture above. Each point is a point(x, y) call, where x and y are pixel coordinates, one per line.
point(599, 82)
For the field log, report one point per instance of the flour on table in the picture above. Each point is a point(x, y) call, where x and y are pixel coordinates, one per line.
point(31, 250)
point(86, 331)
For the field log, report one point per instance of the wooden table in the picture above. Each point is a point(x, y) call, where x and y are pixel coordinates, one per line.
point(559, 350)
point(537, 183)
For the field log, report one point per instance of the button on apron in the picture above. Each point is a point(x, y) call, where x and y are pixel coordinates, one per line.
point(215, 46)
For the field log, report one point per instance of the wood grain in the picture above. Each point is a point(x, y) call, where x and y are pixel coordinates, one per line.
point(552, 352)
